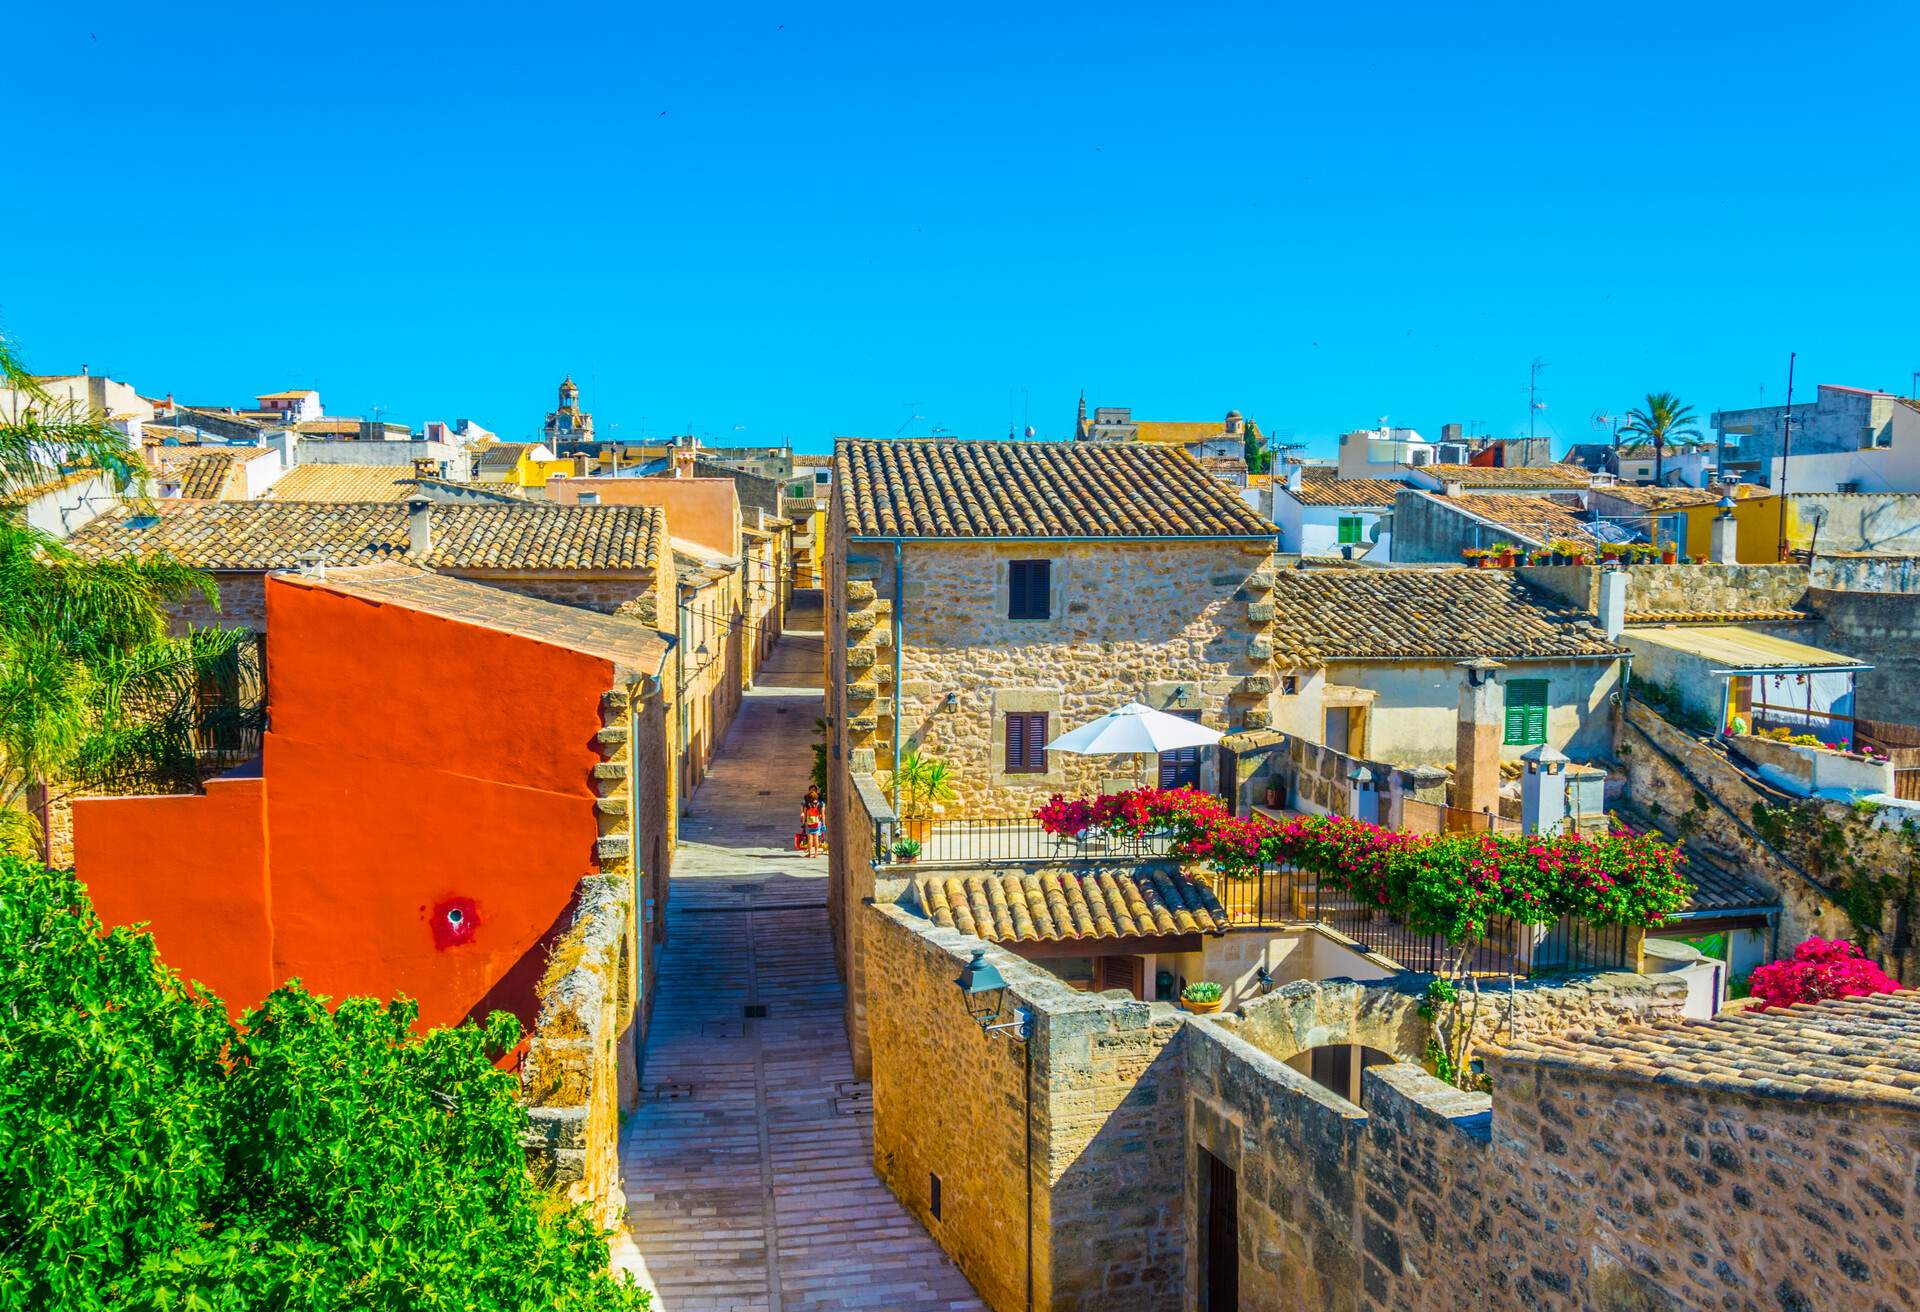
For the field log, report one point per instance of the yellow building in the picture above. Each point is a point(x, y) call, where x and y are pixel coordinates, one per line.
point(524, 464)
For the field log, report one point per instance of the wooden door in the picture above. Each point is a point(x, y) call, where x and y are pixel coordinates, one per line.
point(1220, 1263)
point(1118, 973)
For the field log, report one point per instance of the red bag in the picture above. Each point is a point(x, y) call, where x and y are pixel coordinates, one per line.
point(800, 842)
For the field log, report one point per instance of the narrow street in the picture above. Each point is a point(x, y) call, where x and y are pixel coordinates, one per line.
point(748, 1168)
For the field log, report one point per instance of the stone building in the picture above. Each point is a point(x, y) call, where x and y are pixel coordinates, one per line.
point(567, 422)
point(985, 597)
point(599, 557)
point(1295, 1153)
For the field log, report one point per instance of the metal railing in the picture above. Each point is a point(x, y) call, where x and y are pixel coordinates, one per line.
point(985, 840)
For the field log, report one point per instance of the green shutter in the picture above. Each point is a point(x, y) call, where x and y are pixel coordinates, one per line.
point(1349, 529)
point(1526, 711)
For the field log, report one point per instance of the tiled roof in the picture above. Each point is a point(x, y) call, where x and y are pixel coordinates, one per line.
point(1715, 616)
point(944, 489)
point(1719, 887)
point(1177, 432)
point(1845, 1050)
point(1536, 519)
point(1412, 614)
point(502, 456)
point(1571, 476)
point(1358, 493)
point(45, 481)
point(315, 482)
point(1052, 907)
point(321, 427)
point(249, 535)
point(294, 395)
point(204, 473)
point(1660, 498)
point(623, 641)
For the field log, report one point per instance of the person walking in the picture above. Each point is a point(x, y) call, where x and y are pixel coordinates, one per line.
point(813, 821)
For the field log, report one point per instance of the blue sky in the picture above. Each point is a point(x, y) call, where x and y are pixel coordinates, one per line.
point(773, 221)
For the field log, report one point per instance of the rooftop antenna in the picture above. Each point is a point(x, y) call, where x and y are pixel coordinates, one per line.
point(911, 419)
point(1534, 404)
point(1786, 450)
point(1913, 388)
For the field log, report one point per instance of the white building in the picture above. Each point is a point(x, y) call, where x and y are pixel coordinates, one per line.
point(298, 406)
point(1891, 464)
point(1332, 516)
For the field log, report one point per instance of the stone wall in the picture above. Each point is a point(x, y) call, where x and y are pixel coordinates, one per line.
point(862, 819)
point(1654, 589)
point(1184, 626)
point(578, 1073)
point(1865, 572)
point(1617, 1192)
point(1880, 627)
point(1095, 1130)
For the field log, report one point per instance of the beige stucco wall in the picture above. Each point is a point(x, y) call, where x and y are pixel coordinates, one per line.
point(1414, 720)
point(1129, 622)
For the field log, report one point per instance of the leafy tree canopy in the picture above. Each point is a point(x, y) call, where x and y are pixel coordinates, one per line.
point(155, 1155)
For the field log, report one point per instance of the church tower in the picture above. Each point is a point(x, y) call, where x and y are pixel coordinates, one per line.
point(568, 423)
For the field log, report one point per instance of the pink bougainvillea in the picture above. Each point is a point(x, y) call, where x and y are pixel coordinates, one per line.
point(1820, 968)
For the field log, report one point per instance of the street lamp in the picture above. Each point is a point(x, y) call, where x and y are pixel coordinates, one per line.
point(982, 986)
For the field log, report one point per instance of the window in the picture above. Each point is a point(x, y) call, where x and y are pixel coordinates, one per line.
point(1027, 742)
point(1350, 531)
point(1526, 711)
point(589, 498)
point(1180, 768)
point(1028, 582)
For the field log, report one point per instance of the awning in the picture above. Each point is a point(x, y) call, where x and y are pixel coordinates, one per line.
point(1732, 650)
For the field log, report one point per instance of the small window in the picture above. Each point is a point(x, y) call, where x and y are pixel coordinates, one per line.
point(1027, 742)
point(1290, 684)
point(1526, 711)
point(1349, 529)
point(1028, 582)
point(933, 1194)
point(589, 498)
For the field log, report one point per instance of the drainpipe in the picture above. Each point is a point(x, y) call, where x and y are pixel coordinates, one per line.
point(682, 591)
point(899, 601)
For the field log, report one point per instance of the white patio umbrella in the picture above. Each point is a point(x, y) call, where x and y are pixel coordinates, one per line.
point(1134, 730)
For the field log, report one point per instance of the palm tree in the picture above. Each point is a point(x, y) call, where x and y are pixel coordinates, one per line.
point(1662, 420)
point(92, 684)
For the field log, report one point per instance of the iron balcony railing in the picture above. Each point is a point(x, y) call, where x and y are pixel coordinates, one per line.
point(1279, 896)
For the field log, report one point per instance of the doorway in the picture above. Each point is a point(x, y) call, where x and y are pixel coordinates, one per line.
point(1220, 1240)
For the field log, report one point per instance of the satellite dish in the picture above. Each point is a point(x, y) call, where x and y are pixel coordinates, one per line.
point(1029, 430)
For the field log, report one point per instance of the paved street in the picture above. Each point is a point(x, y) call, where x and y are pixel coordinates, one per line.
point(748, 1170)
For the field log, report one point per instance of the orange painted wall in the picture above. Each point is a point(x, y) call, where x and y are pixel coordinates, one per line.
point(196, 867)
point(705, 511)
point(414, 763)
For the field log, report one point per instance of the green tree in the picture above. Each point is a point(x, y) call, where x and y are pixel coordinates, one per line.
point(1661, 420)
point(92, 684)
point(155, 1155)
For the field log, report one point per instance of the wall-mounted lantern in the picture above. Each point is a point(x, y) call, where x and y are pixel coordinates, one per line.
point(984, 990)
point(952, 702)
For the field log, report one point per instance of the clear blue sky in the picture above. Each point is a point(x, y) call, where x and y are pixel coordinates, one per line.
point(795, 220)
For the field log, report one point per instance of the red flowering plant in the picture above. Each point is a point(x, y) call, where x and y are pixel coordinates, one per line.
point(1187, 815)
point(1820, 968)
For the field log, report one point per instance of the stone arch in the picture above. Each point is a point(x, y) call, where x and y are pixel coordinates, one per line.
point(1307, 1014)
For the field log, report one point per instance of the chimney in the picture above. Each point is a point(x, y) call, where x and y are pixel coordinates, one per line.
point(1723, 544)
point(1452, 489)
point(425, 468)
point(419, 530)
point(1449, 432)
point(683, 458)
point(1543, 791)
point(1476, 766)
point(1612, 605)
point(1294, 477)
point(311, 564)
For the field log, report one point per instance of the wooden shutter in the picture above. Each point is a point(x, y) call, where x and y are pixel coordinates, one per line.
point(1016, 742)
point(1027, 743)
point(1349, 529)
point(1120, 973)
point(1526, 711)
point(1037, 737)
point(1027, 589)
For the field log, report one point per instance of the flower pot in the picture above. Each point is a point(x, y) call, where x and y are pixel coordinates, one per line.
point(1505, 560)
point(1579, 558)
point(1273, 799)
point(1201, 1008)
point(1669, 556)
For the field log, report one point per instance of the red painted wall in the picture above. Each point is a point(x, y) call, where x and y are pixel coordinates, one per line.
point(416, 766)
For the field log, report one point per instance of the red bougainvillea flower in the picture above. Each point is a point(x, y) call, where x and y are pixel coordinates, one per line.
point(1820, 968)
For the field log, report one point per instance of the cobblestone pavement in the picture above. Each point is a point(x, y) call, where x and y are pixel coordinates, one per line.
point(749, 1168)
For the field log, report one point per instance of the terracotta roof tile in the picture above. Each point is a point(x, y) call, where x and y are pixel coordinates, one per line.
point(623, 641)
point(942, 489)
point(249, 535)
point(1568, 476)
point(1053, 907)
point(1411, 614)
point(1358, 493)
point(1660, 498)
point(1531, 519)
point(1849, 1050)
point(317, 482)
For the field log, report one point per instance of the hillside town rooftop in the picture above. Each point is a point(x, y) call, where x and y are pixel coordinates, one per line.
point(946, 489)
point(252, 535)
point(1431, 614)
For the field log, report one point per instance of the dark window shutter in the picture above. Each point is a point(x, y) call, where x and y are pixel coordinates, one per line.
point(1037, 742)
point(1016, 752)
point(1027, 589)
point(1526, 711)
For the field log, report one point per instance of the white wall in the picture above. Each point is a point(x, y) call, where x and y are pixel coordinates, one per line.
point(1415, 717)
point(1894, 468)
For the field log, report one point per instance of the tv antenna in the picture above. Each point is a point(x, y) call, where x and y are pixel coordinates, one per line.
point(911, 419)
point(1534, 404)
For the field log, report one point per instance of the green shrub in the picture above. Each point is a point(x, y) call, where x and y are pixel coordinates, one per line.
point(155, 1155)
point(1202, 991)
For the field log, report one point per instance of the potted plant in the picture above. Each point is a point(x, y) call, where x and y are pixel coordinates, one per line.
point(1476, 557)
point(1576, 555)
point(1273, 794)
point(1201, 998)
point(926, 785)
point(1669, 554)
point(906, 851)
point(1503, 555)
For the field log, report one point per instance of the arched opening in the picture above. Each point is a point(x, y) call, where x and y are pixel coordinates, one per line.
point(1337, 1067)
